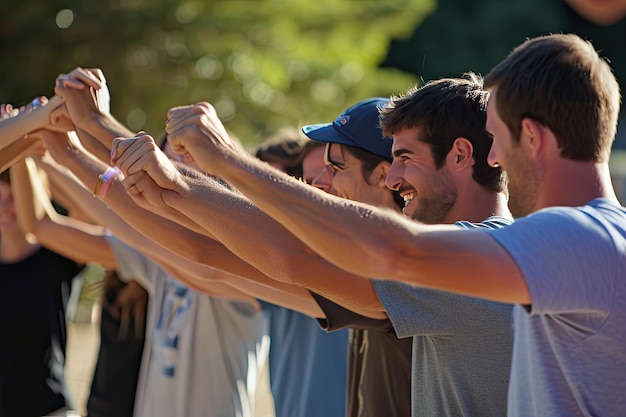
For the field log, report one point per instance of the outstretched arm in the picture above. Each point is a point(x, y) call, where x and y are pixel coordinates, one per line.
point(14, 128)
point(241, 227)
point(67, 236)
point(362, 239)
point(168, 243)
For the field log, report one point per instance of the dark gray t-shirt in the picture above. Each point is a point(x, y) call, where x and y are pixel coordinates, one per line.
point(462, 346)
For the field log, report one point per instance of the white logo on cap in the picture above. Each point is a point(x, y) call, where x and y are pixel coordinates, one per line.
point(342, 120)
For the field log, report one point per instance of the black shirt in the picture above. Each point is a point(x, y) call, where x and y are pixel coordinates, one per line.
point(34, 295)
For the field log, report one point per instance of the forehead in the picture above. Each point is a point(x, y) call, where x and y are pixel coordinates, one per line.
point(314, 155)
point(313, 163)
point(409, 140)
point(492, 113)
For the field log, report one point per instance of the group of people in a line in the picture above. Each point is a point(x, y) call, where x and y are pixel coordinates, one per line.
point(455, 250)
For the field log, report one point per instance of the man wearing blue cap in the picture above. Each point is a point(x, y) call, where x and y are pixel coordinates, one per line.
point(356, 126)
point(463, 369)
point(357, 160)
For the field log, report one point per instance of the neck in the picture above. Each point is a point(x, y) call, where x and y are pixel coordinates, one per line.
point(14, 246)
point(476, 203)
point(575, 183)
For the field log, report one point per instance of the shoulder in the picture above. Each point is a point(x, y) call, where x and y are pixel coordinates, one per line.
point(596, 217)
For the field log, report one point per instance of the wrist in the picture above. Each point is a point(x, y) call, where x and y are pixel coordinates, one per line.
point(92, 121)
point(105, 180)
point(39, 118)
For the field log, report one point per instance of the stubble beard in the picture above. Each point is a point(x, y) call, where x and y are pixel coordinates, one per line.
point(434, 207)
point(523, 185)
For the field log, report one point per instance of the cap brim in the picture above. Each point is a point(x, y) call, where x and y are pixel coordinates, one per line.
point(326, 132)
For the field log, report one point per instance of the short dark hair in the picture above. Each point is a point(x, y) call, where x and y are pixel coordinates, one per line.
point(444, 110)
point(560, 81)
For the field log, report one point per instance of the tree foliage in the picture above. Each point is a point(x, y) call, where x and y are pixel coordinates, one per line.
point(264, 64)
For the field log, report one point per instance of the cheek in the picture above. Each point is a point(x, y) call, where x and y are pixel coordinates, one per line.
point(344, 186)
point(415, 176)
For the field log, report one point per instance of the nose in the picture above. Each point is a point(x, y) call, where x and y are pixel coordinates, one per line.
point(323, 180)
point(394, 177)
point(492, 158)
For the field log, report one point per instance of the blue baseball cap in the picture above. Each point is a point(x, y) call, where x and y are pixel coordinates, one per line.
point(357, 126)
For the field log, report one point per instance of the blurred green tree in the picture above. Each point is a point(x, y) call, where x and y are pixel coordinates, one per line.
point(264, 64)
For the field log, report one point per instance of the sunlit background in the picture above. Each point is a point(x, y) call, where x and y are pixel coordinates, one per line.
point(265, 64)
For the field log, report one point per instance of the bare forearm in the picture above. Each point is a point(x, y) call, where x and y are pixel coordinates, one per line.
point(15, 151)
point(28, 207)
point(199, 281)
point(240, 226)
point(207, 280)
point(13, 128)
point(67, 236)
point(82, 245)
point(105, 128)
point(325, 223)
point(294, 298)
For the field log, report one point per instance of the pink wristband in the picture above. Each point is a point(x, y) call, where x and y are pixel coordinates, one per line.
point(107, 179)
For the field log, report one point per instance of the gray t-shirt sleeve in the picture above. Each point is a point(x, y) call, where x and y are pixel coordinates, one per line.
point(552, 249)
point(417, 311)
point(424, 312)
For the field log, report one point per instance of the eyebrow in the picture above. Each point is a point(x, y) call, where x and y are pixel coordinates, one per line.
point(402, 151)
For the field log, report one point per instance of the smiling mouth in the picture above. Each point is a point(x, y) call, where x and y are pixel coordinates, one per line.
point(407, 198)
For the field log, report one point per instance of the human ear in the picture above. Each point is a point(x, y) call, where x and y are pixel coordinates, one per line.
point(379, 174)
point(531, 135)
point(188, 159)
point(461, 154)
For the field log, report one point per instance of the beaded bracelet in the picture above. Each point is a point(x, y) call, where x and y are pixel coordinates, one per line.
point(105, 180)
